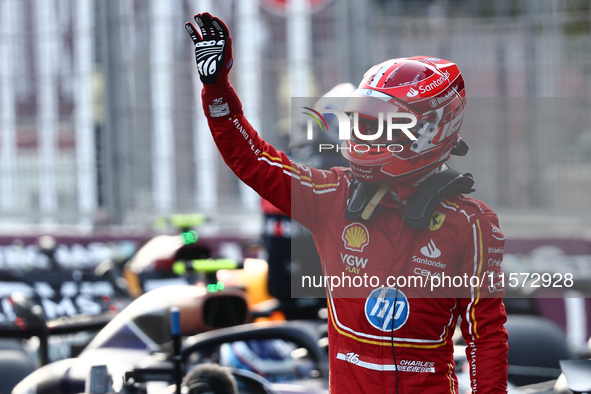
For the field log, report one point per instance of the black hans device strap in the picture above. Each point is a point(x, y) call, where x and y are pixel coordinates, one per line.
point(432, 191)
point(364, 197)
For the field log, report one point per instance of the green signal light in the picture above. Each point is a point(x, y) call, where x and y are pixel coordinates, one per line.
point(189, 237)
point(215, 287)
point(210, 265)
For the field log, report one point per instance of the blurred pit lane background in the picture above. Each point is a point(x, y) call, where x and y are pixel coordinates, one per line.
point(101, 124)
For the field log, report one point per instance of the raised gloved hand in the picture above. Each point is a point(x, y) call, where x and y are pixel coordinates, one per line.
point(213, 48)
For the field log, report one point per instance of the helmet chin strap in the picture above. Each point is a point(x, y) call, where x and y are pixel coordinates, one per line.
point(363, 199)
point(375, 200)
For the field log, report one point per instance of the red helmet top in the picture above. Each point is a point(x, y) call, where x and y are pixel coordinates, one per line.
point(390, 94)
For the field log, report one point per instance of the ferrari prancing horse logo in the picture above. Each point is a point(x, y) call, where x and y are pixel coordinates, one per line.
point(436, 220)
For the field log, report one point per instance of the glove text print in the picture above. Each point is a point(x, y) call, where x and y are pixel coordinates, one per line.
point(208, 55)
point(213, 48)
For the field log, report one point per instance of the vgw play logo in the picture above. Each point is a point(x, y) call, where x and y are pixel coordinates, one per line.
point(392, 122)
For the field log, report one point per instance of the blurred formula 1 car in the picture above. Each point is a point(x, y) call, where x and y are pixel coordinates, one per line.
point(78, 296)
point(186, 258)
point(171, 337)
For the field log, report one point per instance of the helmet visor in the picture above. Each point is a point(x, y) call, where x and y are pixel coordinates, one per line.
point(370, 131)
point(376, 118)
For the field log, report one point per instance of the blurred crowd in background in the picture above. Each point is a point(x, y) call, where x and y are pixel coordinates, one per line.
point(101, 122)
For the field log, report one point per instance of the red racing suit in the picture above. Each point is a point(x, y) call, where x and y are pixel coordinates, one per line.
point(380, 339)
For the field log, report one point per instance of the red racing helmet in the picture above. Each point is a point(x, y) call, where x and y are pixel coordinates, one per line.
point(405, 119)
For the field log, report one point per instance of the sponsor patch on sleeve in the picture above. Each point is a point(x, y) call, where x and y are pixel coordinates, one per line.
point(219, 110)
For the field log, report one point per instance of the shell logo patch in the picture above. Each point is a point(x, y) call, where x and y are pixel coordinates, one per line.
point(356, 237)
point(436, 220)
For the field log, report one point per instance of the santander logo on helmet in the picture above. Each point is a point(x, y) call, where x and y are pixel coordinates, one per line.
point(412, 92)
point(432, 90)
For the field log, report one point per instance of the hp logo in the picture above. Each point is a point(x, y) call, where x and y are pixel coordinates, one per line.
point(383, 304)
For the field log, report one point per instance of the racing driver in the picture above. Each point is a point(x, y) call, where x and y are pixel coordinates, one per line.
point(397, 213)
